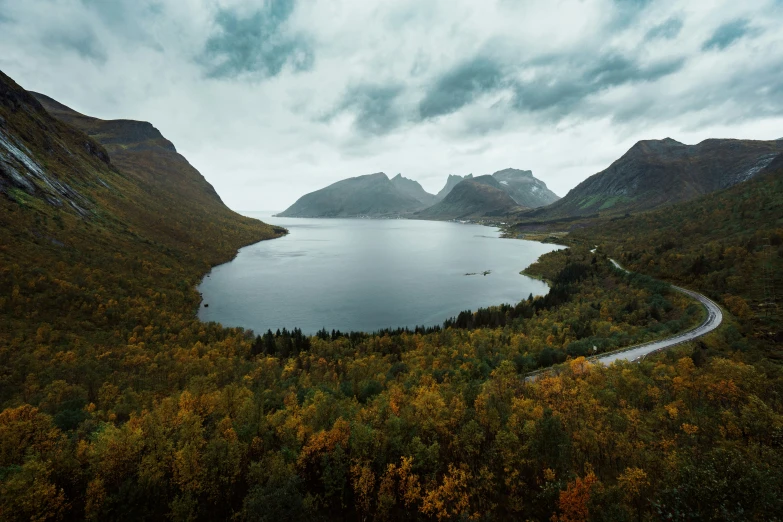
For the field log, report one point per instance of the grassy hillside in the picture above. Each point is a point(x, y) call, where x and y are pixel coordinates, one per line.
point(174, 205)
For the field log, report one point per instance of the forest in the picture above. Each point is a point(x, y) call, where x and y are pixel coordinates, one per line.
point(123, 406)
point(116, 403)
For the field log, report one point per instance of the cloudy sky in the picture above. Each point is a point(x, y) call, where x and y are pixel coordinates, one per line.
point(271, 99)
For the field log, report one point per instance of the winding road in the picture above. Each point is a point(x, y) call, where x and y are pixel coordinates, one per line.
point(713, 320)
point(638, 352)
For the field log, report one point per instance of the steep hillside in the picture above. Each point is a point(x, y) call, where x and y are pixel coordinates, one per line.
point(92, 248)
point(655, 173)
point(413, 189)
point(178, 205)
point(451, 182)
point(371, 195)
point(524, 188)
point(476, 198)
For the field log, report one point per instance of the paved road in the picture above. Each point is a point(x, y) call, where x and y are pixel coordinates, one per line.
point(713, 320)
point(636, 353)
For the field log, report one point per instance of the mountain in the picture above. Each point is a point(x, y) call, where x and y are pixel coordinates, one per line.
point(524, 188)
point(168, 199)
point(505, 191)
point(413, 189)
point(472, 198)
point(371, 195)
point(451, 182)
point(97, 194)
point(655, 173)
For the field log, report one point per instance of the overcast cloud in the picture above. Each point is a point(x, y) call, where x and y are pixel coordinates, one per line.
point(272, 99)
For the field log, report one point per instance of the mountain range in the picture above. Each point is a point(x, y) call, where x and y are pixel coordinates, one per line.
point(38, 163)
point(413, 189)
point(375, 195)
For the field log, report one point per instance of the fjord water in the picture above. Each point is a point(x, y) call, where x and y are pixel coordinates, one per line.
point(365, 275)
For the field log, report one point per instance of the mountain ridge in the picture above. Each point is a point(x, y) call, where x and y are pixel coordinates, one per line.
point(413, 189)
point(481, 197)
point(524, 188)
point(375, 195)
point(655, 173)
point(135, 146)
point(451, 181)
point(370, 195)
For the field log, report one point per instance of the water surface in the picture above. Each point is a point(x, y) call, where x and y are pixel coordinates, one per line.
point(364, 275)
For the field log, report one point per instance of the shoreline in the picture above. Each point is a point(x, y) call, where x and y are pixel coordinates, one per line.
point(501, 235)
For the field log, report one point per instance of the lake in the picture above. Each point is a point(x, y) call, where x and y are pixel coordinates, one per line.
point(365, 275)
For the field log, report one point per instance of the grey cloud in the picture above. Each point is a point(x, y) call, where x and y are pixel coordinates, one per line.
point(727, 34)
point(131, 19)
point(374, 107)
point(615, 70)
point(561, 92)
point(4, 17)
point(82, 40)
point(460, 86)
point(560, 86)
point(626, 12)
point(668, 30)
point(745, 96)
point(119, 12)
point(257, 44)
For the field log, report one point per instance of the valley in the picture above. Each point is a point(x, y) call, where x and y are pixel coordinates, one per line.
point(118, 402)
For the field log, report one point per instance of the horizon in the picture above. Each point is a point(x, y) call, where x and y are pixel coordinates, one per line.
point(270, 102)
